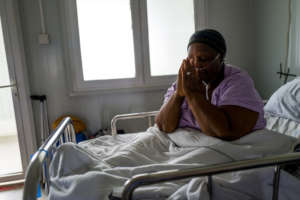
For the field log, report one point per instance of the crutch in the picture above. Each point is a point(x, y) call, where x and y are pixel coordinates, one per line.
point(44, 126)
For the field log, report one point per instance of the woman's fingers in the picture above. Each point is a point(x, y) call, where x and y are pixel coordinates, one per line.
point(193, 62)
point(180, 80)
point(180, 69)
point(186, 72)
point(189, 64)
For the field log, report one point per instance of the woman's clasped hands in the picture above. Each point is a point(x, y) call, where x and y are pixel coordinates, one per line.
point(190, 79)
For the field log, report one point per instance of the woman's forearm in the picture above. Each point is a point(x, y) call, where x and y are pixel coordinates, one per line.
point(210, 118)
point(169, 115)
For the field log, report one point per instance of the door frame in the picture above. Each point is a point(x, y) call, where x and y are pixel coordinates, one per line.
point(13, 41)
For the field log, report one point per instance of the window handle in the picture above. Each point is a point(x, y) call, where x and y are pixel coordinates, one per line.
point(7, 86)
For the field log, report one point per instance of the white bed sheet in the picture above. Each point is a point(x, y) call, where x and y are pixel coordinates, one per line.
point(96, 168)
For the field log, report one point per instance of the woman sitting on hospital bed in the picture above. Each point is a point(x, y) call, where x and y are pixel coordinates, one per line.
point(209, 95)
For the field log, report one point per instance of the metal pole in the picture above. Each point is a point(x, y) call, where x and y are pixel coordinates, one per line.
point(42, 122)
point(171, 175)
point(209, 186)
point(129, 116)
point(47, 131)
point(276, 180)
point(73, 134)
point(66, 134)
point(33, 172)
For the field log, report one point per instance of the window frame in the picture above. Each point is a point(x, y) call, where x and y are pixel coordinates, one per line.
point(143, 79)
point(18, 74)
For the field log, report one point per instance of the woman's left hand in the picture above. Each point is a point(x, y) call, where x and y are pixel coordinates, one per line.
point(191, 79)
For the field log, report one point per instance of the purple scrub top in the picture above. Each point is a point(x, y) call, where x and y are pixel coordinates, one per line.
point(237, 89)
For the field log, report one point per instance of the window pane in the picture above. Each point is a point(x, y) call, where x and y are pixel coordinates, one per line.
point(4, 76)
point(10, 158)
point(170, 24)
point(106, 39)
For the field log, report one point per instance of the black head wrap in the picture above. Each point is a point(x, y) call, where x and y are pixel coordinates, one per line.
point(210, 37)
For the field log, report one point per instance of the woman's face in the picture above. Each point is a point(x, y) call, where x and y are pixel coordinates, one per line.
point(206, 60)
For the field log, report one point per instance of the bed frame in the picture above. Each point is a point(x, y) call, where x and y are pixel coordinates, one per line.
point(37, 170)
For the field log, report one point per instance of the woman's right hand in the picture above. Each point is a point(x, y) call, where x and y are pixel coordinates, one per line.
point(179, 88)
point(189, 80)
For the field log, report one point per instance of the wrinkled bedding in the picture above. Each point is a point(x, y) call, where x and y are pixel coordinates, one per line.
point(282, 125)
point(285, 102)
point(98, 168)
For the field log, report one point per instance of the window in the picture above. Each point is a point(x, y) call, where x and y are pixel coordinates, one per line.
point(118, 44)
point(170, 24)
point(106, 45)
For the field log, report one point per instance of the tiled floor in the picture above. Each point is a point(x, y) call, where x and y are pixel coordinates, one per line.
point(10, 158)
point(15, 194)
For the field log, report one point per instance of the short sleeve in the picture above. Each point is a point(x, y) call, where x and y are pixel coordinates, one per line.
point(171, 90)
point(239, 90)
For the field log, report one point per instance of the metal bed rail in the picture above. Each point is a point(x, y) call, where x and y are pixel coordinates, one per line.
point(40, 161)
point(172, 175)
point(116, 118)
point(209, 171)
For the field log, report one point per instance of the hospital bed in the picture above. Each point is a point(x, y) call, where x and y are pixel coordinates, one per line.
point(38, 168)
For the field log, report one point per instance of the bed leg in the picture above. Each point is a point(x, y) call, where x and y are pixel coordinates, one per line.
point(67, 134)
point(72, 134)
point(276, 182)
point(61, 140)
point(209, 186)
point(46, 170)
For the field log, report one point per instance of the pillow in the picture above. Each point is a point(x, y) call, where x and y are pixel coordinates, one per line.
point(285, 102)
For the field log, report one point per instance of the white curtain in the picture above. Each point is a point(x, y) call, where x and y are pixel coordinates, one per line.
point(294, 43)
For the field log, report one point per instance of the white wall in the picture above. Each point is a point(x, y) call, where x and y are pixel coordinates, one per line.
point(271, 26)
point(48, 74)
point(256, 31)
point(234, 19)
